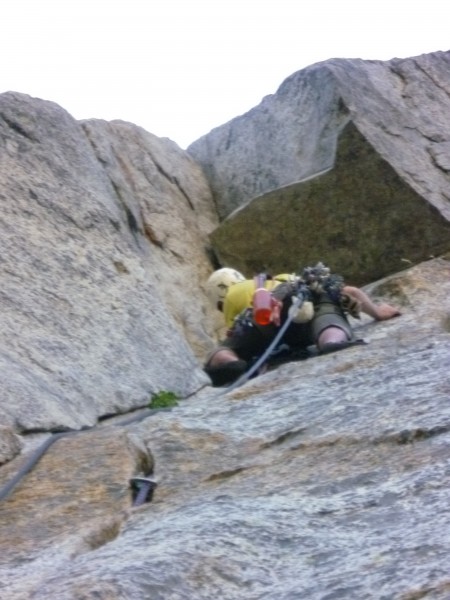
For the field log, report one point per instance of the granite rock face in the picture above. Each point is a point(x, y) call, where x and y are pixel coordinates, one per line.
point(103, 230)
point(324, 478)
point(346, 163)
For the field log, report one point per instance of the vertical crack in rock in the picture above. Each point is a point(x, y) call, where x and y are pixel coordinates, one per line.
point(180, 187)
point(15, 126)
point(428, 75)
point(102, 534)
point(131, 219)
point(151, 235)
point(172, 179)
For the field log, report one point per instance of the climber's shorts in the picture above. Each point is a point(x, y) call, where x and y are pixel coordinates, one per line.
point(328, 314)
point(248, 342)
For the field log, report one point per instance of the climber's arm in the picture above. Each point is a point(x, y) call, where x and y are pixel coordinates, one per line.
point(379, 312)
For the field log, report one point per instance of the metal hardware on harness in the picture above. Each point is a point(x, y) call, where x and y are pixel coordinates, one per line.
point(319, 279)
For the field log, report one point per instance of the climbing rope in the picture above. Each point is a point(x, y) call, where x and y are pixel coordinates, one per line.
point(297, 302)
point(39, 452)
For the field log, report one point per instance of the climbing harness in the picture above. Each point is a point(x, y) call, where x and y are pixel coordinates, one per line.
point(297, 301)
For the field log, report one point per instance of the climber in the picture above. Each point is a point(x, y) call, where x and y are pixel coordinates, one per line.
point(321, 319)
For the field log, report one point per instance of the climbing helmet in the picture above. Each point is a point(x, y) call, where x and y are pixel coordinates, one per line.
point(218, 284)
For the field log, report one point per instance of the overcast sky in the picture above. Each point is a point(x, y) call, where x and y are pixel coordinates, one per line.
point(179, 68)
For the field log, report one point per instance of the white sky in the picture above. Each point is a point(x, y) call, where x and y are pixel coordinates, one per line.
point(179, 68)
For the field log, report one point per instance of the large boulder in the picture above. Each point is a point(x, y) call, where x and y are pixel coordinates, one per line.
point(345, 153)
point(103, 231)
point(362, 233)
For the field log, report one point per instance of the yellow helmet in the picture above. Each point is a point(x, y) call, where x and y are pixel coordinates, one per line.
point(218, 284)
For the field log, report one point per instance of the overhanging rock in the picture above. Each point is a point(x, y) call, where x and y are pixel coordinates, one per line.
point(387, 120)
point(360, 217)
point(401, 106)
